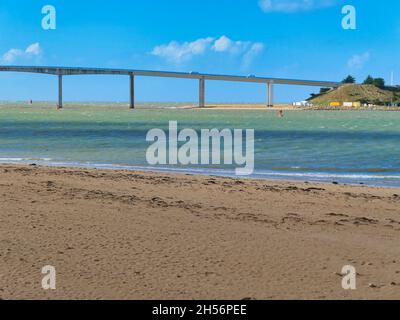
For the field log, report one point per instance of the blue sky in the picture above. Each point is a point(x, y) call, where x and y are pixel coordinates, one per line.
point(301, 39)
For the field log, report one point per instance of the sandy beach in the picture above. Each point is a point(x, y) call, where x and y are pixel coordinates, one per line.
point(132, 235)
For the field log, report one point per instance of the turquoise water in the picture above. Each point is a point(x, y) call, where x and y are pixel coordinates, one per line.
point(347, 147)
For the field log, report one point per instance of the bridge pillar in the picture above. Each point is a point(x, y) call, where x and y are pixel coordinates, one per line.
point(270, 103)
point(132, 92)
point(202, 96)
point(60, 92)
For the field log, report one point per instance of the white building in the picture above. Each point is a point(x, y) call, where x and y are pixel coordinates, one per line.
point(302, 104)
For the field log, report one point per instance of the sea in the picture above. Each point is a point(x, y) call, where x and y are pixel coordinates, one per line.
point(346, 147)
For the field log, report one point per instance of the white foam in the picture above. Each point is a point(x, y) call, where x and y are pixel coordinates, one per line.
point(373, 180)
point(24, 159)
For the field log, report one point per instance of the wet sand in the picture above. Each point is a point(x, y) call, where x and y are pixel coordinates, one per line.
point(132, 235)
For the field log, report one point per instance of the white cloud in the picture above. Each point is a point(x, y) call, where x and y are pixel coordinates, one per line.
point(224, 44)
point(357, 61)
point(290, 6)
point(180, 52)
point(33, 49)
point(13, 55)
point(255, 50)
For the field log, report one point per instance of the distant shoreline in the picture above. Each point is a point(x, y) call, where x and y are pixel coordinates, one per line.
point(288, 107)
point(190, 106)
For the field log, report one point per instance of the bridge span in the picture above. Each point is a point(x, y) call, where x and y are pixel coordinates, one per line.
point(70, 71)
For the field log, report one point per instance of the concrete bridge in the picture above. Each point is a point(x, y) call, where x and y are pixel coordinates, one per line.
point(65, 71)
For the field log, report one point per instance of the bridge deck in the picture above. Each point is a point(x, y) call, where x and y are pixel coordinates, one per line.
point(69, 71)
point(93, 71)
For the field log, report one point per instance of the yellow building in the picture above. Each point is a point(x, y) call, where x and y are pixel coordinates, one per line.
point(345, 104)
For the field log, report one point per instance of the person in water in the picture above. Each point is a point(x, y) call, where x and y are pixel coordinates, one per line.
point(280, 114)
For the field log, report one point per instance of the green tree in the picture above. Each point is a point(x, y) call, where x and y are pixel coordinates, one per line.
point(369, 80)
point(324, 90)
point(349, 79)
point(379, 82)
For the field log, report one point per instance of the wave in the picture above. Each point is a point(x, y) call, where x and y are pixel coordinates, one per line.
point(330, 175)
point(366, 178)
point(12, 160)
